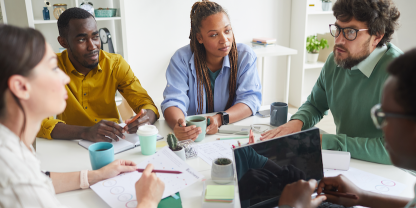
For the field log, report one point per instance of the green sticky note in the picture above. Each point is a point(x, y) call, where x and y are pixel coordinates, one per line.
point(219, 192)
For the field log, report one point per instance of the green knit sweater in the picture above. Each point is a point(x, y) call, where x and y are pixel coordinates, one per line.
point(350, 95)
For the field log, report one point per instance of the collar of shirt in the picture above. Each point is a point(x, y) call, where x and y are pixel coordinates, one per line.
point(225, 63)
point(367, 65)
point(70, 68)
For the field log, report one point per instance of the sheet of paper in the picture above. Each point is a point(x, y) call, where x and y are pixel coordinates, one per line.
point(134, 138)
point(119, 192)
point(369, 181)
point(213, 150)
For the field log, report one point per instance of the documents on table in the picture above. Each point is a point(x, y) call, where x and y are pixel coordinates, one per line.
point(120, 190)
point(369, 181)
point(213, 150)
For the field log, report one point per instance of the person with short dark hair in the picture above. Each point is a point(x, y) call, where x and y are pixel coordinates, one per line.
point(351, 80)
point(96, 75)
point(396, 116)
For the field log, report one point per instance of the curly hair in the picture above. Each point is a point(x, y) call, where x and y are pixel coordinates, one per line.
point(67, 15)
point(380, 16)
point(404, 68)
point(200, 11)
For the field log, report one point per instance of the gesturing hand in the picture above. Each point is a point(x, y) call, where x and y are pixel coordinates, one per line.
point(149, 189)
point(298, 194)
point(142, 120)
point(99, 131)
point(183, 132)
point(288, 128)
point(340, 184)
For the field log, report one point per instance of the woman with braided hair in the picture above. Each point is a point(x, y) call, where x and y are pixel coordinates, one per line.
point(211, 74)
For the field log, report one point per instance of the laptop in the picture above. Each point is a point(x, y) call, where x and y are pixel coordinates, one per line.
point(255, 164)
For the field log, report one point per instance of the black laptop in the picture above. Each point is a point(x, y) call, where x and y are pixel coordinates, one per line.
point(292, 157)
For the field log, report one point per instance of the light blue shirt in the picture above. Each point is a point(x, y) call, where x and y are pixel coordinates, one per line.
point(181, 88)
point(367, 65)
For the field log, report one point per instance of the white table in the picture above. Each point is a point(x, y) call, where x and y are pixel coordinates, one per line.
point(277, 50)
point(66, 156)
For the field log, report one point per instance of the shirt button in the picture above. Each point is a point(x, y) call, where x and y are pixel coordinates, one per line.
point(85, 107)
point(85, 93)
point(95, 119)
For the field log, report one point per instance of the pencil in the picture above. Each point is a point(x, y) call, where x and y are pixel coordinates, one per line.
point(136, 117)
point(161, 171)
point(346, 195)
point(238, 137)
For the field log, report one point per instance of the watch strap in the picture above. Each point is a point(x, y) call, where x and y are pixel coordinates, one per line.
point(84, 179)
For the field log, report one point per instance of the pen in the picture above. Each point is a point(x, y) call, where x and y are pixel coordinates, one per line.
point(136, 117)
point(238, 137)
point(346, 195)
point(161, 171)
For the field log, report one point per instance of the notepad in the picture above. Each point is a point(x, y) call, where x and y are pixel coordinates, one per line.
point(219, 193)
point(131, 141)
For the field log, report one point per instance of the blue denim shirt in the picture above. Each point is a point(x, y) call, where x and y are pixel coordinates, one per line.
point(181, 89)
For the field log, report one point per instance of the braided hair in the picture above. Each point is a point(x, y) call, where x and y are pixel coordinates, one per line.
point(199, 12)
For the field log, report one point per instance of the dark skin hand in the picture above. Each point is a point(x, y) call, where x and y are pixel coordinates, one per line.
point(148, 118)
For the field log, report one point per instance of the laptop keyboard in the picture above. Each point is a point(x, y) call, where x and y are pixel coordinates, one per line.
point(331, 205)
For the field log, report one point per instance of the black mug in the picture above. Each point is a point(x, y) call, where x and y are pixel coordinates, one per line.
point(278, 113)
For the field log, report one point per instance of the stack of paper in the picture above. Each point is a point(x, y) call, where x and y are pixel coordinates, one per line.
point(219, 193)
point(263, 42)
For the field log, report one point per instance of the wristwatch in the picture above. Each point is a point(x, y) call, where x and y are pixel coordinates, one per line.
point(225, 117)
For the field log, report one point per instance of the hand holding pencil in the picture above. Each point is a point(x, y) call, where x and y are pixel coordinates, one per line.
point(340, 190)
point(134, 122)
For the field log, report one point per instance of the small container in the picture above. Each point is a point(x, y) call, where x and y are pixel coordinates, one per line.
point(45, 12)
point(181, 153)
point(105, 12)
point(58, 9)
point(147, 136)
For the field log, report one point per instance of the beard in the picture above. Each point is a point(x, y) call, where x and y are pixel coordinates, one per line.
point(83, 62)
point(351, 60)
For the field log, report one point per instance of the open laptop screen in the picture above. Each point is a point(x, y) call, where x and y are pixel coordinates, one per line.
point(264, 168)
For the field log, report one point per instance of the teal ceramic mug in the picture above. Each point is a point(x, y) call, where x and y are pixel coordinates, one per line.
point(101, 154)
point(198, 121)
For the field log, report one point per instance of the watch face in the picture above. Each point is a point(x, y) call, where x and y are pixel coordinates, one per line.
point(103, 36)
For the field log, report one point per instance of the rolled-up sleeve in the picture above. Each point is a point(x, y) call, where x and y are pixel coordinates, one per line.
point(131, 89)
point(248, 82)
point(176, 90)
point(47, 126)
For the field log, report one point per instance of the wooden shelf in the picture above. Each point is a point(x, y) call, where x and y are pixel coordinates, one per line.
point(55, 21)
point(319, 12)
point(314, 65)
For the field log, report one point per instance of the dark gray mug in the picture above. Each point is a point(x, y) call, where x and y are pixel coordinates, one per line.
point(278, 113)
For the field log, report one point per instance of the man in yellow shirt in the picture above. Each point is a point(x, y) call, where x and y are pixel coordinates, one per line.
point(91, 111)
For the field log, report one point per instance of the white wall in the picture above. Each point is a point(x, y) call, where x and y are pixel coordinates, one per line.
point(405, 36)
point(157, 28)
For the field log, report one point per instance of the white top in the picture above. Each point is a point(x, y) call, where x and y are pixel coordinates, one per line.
point(22, 184)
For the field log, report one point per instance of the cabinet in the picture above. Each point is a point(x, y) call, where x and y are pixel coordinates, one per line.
point(305, 22)
point(49, 28)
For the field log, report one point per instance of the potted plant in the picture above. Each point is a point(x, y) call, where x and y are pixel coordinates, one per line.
point(326, 5)
point(173, 145)
point(222, 171)
point(313, 45)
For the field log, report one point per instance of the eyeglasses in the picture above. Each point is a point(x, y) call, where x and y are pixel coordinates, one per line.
point(349, 33)
point(379, 116)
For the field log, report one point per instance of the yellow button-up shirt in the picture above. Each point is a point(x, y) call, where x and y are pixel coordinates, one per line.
point(91, 97)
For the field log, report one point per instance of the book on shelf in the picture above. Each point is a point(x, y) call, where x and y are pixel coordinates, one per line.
point(264, 40)
point(262, 45)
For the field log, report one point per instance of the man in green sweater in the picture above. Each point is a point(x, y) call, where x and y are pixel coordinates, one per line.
point(351, 80)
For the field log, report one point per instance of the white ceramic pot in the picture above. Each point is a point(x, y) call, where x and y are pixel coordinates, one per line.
point(222, 174)
point(326, 6)
point(312, 57)
point(181, 154)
